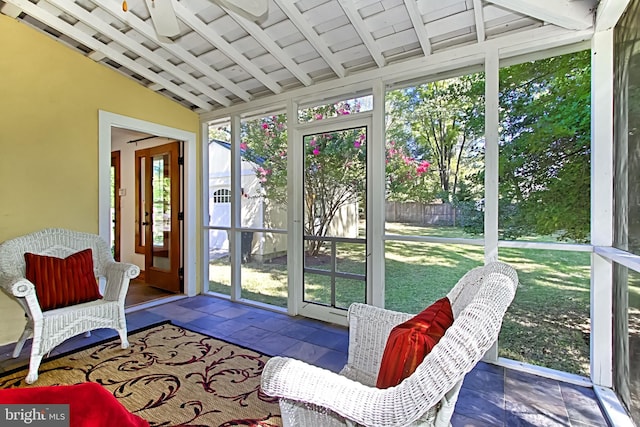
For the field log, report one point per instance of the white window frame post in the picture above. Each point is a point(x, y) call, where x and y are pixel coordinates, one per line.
point(376, 173)
point(491, 161)
point(236, 211)
point(602, 95)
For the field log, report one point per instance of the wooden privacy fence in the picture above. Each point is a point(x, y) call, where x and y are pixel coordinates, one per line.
point(421, 213)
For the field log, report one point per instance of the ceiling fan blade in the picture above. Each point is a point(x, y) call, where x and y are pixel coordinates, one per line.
point(163, 17)
point(251, 9)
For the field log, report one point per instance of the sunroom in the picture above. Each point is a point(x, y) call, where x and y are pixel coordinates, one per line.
point(392, 146)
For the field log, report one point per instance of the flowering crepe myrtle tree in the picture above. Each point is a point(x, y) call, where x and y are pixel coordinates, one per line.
point(334, 167)
point(408, 178)
point(335, 176)
point(264, 143)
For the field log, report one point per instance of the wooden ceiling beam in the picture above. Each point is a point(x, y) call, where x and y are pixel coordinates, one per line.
point(69, 30)
point(271, 46)
point(104, 28)
point(114, 9)
point(479, 15)
point(225, 47)
point(420, 69)
point(294, 15)
point(418, 25)
point(10, 10)
point(361, 28)
point(569, 14)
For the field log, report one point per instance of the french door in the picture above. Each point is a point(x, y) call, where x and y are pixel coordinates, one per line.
point(157, 214)
point(334, 219)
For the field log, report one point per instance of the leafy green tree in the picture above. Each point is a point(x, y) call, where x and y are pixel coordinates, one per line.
point(545, 147)
point(441, 121)
point(221, 133)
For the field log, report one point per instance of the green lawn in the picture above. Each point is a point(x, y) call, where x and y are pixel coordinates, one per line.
point(547, 324)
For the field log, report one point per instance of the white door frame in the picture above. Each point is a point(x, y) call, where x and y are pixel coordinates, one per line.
point(295, 252)
point(105, 121)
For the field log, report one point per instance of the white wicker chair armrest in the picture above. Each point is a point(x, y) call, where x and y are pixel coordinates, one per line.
point(298, 381)
point(6, 283)
point(118, 275)
point(22, 288)
point(22, 291)
point(18, 287)
point(370, 313)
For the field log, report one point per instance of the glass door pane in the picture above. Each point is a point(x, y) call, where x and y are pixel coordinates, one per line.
point(219, 203)
point(335, 166)
point(161, 211)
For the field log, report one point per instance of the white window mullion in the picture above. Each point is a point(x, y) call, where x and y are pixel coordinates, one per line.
point(234, 234)
point(491, 159)
point(376, 197)
point(204, 207)
point(295, 214)
point(602, 94)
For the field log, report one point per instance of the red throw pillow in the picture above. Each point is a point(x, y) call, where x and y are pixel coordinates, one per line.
point(411, 341)
point(61, 282)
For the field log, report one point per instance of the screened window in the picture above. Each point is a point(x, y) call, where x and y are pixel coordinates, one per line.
point(626, 289)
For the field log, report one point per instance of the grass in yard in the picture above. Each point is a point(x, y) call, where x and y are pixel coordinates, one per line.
point(547, 323)
point(264, 282)
point(420, 230)
point(417, 274)
point(318, 289)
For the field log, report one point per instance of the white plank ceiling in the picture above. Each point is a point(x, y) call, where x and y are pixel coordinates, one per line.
point(220, 58)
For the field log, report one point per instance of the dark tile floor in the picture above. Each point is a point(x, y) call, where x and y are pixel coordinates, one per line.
point(490, 396)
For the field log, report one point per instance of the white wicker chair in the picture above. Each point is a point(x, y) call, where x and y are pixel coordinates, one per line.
point(52, 327)
point(312, 396)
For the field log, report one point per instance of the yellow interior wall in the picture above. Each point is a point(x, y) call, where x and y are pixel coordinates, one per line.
point(49, 101)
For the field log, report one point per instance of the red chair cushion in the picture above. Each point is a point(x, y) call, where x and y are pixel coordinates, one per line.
point(61, 282)
point(411, 341)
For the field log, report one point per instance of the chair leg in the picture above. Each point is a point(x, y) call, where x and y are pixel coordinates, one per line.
point(23, 338)
point(123, 338)
point(34, 365)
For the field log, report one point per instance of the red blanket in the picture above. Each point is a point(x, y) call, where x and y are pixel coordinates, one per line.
point(90, 404)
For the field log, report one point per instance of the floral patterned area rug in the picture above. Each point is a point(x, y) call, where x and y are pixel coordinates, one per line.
point(169, 376)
